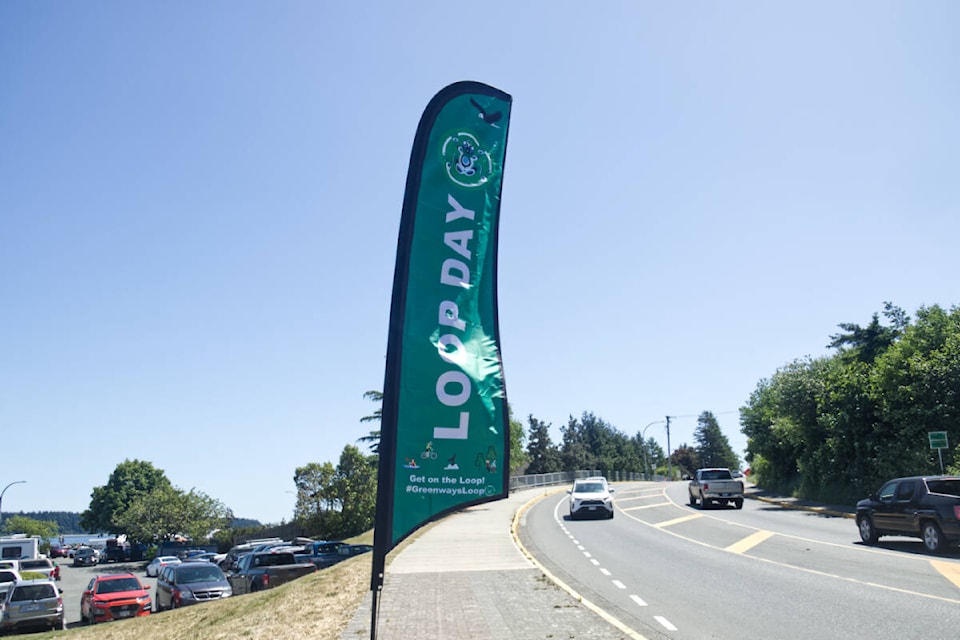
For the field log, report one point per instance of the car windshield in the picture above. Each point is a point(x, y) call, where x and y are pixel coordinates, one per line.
point(118, 585)
point(30, 592)
point(589, 487)
point(189, 573)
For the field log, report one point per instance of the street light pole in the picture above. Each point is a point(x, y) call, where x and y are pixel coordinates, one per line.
point(1, 498)
point(643, 446)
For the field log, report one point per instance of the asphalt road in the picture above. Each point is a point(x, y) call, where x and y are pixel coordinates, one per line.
point(73, 580)
point(669, 570)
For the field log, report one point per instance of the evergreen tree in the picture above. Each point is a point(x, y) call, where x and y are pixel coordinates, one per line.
point(713, 447)
point(543, 456)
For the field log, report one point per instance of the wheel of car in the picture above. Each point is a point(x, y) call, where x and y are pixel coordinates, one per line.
point(704, 503)
point(933, 537)
point(868, 533)
point(573, 516)
point(610, 517)
point(738, 503)
point(693, 501)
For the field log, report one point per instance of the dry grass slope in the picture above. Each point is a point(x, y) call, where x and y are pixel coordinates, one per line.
point(315, 607)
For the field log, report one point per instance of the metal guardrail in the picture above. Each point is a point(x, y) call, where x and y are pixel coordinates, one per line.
point(567, 477)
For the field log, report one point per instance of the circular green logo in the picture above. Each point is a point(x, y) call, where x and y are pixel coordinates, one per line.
point(466, 163)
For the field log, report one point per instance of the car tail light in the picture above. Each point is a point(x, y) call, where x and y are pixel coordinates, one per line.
point(266, 581)
point(706, 486)
point(176, 597)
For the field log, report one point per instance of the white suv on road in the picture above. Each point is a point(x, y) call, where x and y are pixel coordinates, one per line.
point(591, 497)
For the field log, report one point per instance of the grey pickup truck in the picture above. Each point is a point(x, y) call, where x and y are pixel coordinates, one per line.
point(258, 571)
point(716, 486)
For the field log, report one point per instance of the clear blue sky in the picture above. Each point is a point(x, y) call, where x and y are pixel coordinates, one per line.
point(199, 206)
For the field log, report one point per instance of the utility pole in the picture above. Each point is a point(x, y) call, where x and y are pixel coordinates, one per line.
point(669, 453)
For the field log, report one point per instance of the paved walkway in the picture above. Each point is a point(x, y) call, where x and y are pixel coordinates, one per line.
point(466, 579)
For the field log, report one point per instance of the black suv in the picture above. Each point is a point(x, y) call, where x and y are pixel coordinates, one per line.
point(114, 554)
point(925, 507)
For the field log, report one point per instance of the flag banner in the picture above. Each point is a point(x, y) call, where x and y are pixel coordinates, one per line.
point(445, 435)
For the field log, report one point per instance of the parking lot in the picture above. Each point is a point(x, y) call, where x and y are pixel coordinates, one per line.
point(73, 580)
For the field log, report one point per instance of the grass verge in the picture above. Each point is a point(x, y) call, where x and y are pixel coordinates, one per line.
point(316, 607)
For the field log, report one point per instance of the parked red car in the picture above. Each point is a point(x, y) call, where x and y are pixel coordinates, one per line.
point(114, 596)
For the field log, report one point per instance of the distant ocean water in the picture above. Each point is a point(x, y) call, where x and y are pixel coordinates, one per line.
point(89, 539)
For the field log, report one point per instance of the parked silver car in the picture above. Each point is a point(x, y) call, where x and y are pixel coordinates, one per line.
point(32, 604)
point(179, 585)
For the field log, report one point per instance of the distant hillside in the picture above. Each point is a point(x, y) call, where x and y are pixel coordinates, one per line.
point(236, 523)
point(68, 522)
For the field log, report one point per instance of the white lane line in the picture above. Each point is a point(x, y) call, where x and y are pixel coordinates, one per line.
point(594, 562)
point(586, 554)
point(619, 585)
point(665, 623)
point(605, 572)
point(638, 600)
point(580, 547)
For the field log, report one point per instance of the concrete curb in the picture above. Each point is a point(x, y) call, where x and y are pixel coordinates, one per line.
point(790, 504)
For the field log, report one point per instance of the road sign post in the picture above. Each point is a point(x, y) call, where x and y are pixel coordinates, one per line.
point(938, 441)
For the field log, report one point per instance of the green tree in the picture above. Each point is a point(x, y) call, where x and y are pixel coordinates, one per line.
point(166, 513)
point(835, 428)
point(356, 488)
point(518, 457)
point(44, 529)
point(685, 460)
point(316, 490)
point(130, 480)
point(649, 451)
point(544, 457)
point(866, 343)
point(594, 444)
point(373, 438)
point(713, 447)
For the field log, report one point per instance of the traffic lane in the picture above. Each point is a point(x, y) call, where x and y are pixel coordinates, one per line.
point(805, 524)
point(686, 581)
point(765, 515)
point(805, 544)
point(550, 538)
point(663, 586)
point(73, 581)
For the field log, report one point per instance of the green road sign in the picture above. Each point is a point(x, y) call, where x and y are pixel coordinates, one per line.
point(938, 439)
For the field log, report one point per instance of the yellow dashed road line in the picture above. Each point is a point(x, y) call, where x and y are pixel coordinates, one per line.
point(646, 506)
point(670, 523)
point(749, 542)
point(949, 570)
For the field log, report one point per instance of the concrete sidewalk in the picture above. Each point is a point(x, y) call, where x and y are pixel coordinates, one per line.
point(465, 578)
